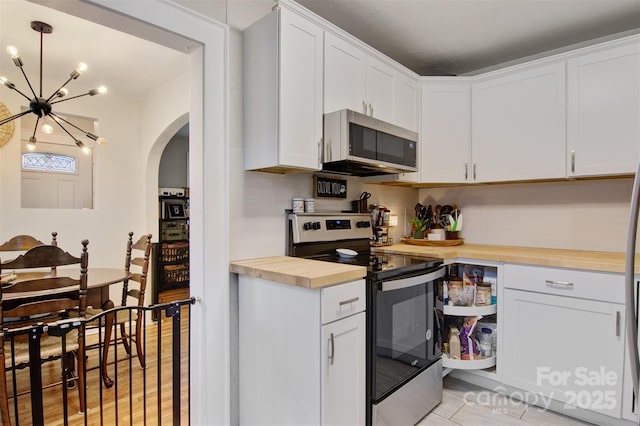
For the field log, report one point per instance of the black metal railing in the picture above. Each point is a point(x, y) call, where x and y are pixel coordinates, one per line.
point(114, 390)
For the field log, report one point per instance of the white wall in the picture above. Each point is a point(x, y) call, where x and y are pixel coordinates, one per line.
point(122, 201)
point(581, 215)
point(116, 201)
point(174, 163)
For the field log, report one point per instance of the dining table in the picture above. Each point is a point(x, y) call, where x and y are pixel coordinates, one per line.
point(98, 282)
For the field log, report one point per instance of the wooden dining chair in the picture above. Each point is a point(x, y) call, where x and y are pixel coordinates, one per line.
point(39, 295)
point(136, 265)
point(21, 243)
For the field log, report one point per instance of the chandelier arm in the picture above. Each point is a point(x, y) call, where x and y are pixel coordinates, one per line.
point(68, 99)
point(28, 82)
point(41, 49)
point(19, 91)
point(13, 117)
point(69, 123)
point(60, 88)
point(66, 131)
point(35, 127)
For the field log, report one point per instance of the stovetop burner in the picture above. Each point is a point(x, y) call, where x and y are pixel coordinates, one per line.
point(382, 265)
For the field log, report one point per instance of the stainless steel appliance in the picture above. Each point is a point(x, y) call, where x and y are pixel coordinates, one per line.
point(631, 294)
point(404, 369)
point(360, 145)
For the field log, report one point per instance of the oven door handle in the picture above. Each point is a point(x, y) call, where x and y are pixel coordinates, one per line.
point(412, 281)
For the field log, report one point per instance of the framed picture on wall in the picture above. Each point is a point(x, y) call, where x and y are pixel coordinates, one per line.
point(175, 210)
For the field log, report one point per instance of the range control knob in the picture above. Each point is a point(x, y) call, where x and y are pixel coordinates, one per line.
point(307, 226)
point(316, 225)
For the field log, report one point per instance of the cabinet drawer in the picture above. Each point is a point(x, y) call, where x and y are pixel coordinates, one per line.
point(343, 300)
point(606, 287)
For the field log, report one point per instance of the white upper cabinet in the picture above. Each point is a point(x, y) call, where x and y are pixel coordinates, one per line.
point(445, 135)
point(283, 93)
point(380, 81)
point(518, 125)
point(355, 80)
point(603, 133)
point(407, 95)
point(344, 70)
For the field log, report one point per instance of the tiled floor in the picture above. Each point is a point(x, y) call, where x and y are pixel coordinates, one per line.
point(468, 405)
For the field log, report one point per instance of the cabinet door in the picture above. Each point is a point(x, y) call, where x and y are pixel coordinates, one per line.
point(380, 89)
point(567, 349)
point(406, 102)
point(603, 109)
point(344, 70)
point(300, 99)
point(343, 371)
point(445, 133)
point(518, 125)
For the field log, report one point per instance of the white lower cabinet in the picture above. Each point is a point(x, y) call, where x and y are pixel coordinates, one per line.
point(343, 371)
point(301, 354)
point(561, 345)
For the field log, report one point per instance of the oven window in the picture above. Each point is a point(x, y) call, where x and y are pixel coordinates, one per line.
point(404, 335)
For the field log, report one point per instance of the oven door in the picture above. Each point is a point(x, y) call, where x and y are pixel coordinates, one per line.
point(405, 336)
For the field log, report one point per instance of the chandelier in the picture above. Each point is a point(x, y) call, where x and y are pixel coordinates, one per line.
point(43, 107)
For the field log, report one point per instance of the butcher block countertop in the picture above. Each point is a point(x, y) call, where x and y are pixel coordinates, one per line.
point(298, 271)
point(560, 258)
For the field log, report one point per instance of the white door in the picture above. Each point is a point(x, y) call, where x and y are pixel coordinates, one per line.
point(603, 128)
point(518, 125)
point(344, 70)
point(445, 133)
point(343, 371)
point(300, 91)
point(56, 176)
point(565, 348)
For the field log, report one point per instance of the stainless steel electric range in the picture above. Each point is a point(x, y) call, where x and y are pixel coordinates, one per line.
point(404, 369)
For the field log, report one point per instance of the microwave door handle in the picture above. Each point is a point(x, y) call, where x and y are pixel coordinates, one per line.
point(412, 281)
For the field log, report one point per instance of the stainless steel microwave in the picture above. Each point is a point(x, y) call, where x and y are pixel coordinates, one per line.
point(360, 145)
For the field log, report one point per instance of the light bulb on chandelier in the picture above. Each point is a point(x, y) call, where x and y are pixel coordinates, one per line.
point(43, 107)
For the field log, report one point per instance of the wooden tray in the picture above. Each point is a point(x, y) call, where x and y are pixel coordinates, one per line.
point(438, 243)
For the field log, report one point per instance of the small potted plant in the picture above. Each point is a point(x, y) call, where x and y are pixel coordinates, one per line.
point(419, 227)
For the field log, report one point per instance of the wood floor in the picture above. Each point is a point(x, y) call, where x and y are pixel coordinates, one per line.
point(131, 398)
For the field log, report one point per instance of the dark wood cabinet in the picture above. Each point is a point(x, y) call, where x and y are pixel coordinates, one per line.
point(171, 252)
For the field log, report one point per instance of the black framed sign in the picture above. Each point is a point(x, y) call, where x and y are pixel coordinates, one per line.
point(175, 210)
point(324, 187)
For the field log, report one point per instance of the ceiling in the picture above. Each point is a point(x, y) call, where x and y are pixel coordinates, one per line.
point(453, 37)
point(431, 37)
point(124, 64)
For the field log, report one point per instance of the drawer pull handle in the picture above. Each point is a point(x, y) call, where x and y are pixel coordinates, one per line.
point(563, 284)
point(333, 347)
point(617, 323)
point(349, 301)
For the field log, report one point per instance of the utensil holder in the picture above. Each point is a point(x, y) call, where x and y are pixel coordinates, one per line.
point(359, 206)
